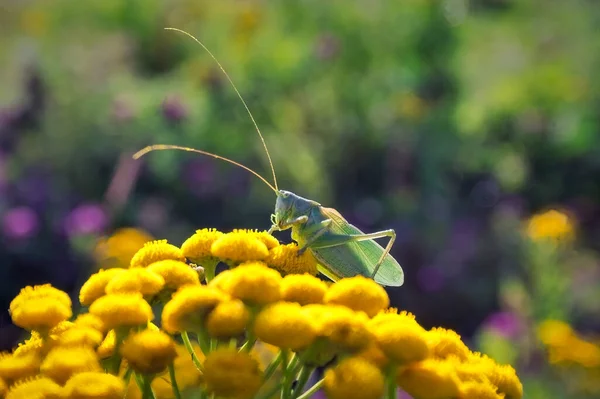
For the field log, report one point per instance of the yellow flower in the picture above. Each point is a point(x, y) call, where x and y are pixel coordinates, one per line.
point(122, 310)
point(285, 259)
point(107, 347)
point(253, 283)
point(197, 247)
point(175, 273)
point(392, 315)
point(239, 246)
point(149, 351)
point(232, 374)
point(139, 280)
point(35, 343)
point(81, 336)
point(38, 388)
point(40, 308)
point(155, 251)
point(189, 306)
point(228, 319)
point(118, 249)
point(353, 378)
point(95, 286)
point(16, 367)
point(402, 342)
point(63, 362)
point(429, 379)
point(283, 324)
point(3, 388)
point(267, 239)
point(505, 378)
point(551, 225)
point(95, 385)
point(340, 325)
point(374, 355)
point(446, 343)
point(358, 293)
point(188, 377)
point(90, 320)
point(302, 288)
point(479, 390)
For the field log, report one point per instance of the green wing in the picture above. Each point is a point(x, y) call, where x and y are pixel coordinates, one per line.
point(355, 258)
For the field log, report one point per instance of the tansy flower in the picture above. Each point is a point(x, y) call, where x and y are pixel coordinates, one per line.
point(232, 374)
point(551, 225)
point(81, 336)
point(38, 388)
point(228, 319)
point(155, 251)
point(16, 367)
point(446, 343)
point(122, 310)
point(339, 325)
point(429, 379)
point(63, 362)
point(402, 342)
point(392, 315)
point(358, 293)
point(35, 343)
point(239, 246)
point(137, 279)
point(3, 388)
point(95, 385)
point(45, 291)
point(197, 247)
point(374, 355)
point(284, 325)
point(187, 375)
point(107, 347)
point(90, 320)
point(40, 308)
point(302, 288)
point(505, 378)
point(189, 306)
point(175, 273)
point(285, 259)
point(118, 249)
point(353, 378)
point(95, 286)
point(479, 390)
point(149, 352)
point(267, 239)
point(254, 283)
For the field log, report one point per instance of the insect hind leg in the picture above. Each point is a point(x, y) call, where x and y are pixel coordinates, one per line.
point(389, 233)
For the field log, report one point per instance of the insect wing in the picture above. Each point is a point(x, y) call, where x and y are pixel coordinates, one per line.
point(355, 258)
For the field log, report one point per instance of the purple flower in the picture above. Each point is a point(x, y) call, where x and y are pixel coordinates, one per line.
point(506, 324)
point(173, 109)
point(85, 219)
point(20, 223)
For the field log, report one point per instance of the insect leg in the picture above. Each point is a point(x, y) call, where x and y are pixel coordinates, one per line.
point(315, 234)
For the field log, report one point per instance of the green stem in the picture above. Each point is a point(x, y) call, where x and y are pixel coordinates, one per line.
point(390, 383)
point(273, 366)
point(210, 268)
point(204, 341)
point(271, 392)
point(147, 388)
point(312, 390)
point(115, 360)
point(284, 361)
point(174, 381)
point(249, 344)
point(190, 349)
point(305, 373)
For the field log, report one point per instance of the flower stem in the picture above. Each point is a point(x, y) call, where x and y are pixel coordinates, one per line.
point(391, 391)
point(174, 381)
point(204, 341)
point(273, 366)
point(312, 390)
point(210, 267)
point(305, 373)
point(190, 349)
point(147, 388)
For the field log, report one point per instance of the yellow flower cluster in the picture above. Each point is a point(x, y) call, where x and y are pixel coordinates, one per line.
point(552, 225)
point(212, 335)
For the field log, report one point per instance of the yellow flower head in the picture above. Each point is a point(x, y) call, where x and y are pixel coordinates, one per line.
point(107, 347)
point(228, 319)
point(187, 374)
point(354, 378)
point(95, 286)
point(358, 293)
point(197, 247)
point(284, 325)
point(90, 320)
point(3, 388)
point(551, 225)
point(81, 336)
point(505, 378)
point(16, 367)
point(302, 288)
point(253, 283)
point(232, 374)
point(38, 388)
point(63, 362)
point(155, 251)
point(555, 332)
point(187, 309)
point(339, 325)
point(429, 379)
point(445, 343)
point(40, 307)
point(239, 246)
point(391, 315)
point(95, 385)
point(374, 355)
point(402, 342)
point(285, 259)
point(175, 273)
point(267, 239)
point(137, 279)
point(149, 351)
point(118, 249)
point(479, 390)
point(34, 344)
point(122, 310)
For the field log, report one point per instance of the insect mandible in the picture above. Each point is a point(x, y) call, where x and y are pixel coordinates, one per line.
point(341, 249)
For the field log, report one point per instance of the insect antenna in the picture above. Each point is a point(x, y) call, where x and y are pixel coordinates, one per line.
point(239, 95)
point(161, 147)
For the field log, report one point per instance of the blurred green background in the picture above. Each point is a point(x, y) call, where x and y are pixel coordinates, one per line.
point(458, 123)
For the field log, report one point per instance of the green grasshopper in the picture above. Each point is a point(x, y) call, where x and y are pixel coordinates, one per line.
point(341, 249)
